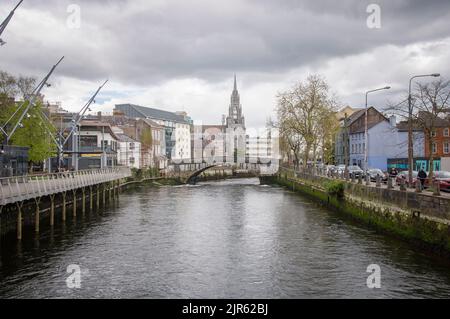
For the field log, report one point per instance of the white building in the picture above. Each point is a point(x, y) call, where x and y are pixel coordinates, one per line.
point(128, 151)
point(177, 128)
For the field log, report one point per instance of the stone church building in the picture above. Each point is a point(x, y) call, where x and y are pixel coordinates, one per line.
point(227, 142)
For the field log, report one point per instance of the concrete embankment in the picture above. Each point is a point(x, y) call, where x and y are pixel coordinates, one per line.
point(416, 217)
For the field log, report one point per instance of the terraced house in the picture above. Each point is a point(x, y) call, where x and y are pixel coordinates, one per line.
point(440, 146)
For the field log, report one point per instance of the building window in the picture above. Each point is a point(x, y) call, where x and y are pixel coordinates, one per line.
point(132, 160)
point(446, 147)
point(132, 146)
point(433, 134)
point(434, 148)
point(88, 141)
point(447, 132)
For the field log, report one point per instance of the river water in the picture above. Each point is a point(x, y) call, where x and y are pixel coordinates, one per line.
point(229, 239)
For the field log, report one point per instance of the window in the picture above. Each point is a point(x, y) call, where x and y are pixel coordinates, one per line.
point(434, 148)
point(446, 132)
point(132, 160)
point(88, 141)
point(433, 134)
point(132, 146)
point(446, 147)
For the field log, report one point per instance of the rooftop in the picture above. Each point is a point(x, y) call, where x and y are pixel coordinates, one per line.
point(126, 138)
point(152, 113)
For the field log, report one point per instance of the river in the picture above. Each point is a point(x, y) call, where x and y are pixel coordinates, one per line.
point(228, 239)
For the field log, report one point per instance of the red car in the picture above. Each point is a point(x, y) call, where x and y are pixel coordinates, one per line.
point(444, 180)
point(405, 175)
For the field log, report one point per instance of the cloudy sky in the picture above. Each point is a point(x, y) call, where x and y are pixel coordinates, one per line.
point(182, 55)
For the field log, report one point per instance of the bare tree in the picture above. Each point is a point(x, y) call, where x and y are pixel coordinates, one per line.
point(432, 105)
point(305, 111)
point(25, 85)
point(8, 85)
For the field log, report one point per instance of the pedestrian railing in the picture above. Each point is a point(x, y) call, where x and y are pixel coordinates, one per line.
point(21, 188)
point(391, 182)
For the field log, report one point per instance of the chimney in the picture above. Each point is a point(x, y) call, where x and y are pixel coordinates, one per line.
point(393, 120)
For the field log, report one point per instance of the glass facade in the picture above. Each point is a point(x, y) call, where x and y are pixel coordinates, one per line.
point(13, 161)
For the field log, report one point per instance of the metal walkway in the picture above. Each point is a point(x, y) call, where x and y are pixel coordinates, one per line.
point(19, 189)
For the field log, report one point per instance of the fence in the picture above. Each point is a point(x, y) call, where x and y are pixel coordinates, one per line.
point(389, 182)
point(17, 189)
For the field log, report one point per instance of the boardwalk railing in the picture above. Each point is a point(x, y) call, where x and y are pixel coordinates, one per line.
point(18, 189)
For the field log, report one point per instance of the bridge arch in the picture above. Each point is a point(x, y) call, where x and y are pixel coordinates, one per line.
point(192, 179)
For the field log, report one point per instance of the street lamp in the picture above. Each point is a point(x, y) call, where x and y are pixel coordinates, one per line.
point(410, 126)
point(366, 146)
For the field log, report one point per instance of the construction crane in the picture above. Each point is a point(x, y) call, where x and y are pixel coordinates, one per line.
point(5, 23)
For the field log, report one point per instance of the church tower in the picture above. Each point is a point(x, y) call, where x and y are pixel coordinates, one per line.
point(235, 118)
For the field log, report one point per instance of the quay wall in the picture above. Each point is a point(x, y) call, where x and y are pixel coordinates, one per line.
point(420, 218)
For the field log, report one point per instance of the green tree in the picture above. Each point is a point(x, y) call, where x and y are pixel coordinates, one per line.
point(34, 131)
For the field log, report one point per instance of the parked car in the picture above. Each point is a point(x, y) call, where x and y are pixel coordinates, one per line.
point(373, 173)
point(355, 171)
point(330, 168)
point(340, 169)
point(405, 176)
point(444, 180)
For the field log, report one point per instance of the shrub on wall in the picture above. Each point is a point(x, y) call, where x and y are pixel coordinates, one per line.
point(335, 188)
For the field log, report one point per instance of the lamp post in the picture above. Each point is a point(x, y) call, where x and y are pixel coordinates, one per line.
point(366, 146)
point(410, 126)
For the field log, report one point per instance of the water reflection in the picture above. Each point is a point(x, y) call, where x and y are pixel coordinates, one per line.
point(229, 239)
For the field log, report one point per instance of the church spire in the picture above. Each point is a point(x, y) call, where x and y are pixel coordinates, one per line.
point(235, 113)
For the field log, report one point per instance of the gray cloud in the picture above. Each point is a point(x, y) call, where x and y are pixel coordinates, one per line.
point(145, 42)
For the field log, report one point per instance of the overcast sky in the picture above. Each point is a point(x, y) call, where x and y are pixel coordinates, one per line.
point(182, 55)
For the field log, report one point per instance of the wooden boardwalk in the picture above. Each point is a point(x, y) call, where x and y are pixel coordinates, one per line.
point(20, 189)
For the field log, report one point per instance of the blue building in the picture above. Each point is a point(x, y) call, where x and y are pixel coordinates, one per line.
point(387, 140)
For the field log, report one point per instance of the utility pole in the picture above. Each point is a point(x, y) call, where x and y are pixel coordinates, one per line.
point(6, 21)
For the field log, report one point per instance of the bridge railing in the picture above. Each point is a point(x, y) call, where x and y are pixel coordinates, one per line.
point(15, 189)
